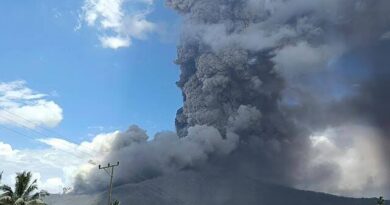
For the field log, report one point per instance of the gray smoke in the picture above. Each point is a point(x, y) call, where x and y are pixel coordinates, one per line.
point(259, 78)
point(142, 159)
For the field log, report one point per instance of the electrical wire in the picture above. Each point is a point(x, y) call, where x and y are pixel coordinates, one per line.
point(36, 132)
point(34, 124)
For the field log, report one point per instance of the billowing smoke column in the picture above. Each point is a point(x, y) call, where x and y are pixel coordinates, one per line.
point(290, 91)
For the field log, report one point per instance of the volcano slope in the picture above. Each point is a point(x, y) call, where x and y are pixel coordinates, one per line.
point(192, 188)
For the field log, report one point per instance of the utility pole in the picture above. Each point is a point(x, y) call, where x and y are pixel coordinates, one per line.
point(109, 169)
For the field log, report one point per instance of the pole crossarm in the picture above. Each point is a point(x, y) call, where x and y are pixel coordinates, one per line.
point(109, 166)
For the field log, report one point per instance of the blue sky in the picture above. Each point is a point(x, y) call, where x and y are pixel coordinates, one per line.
point(99, 89)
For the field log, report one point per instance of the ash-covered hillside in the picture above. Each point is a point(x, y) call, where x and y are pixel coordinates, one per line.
point(192, 188)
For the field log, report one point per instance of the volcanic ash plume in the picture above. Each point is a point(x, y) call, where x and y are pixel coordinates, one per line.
point(269, 86)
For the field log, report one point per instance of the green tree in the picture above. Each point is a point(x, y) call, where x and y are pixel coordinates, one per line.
point(380, 201)
point(25, 192)
point(116, 202)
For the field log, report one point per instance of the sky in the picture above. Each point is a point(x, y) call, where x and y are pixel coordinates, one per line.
point(72, 70)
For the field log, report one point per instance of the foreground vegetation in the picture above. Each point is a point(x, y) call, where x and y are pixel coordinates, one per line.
point(381, 201)
point(25, 191)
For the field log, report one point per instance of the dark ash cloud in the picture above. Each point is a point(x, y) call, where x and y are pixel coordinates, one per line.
point(269, 87)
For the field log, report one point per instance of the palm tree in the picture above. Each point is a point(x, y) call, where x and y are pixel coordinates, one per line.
point(24, 193)
point(381, 201)
point(116, 202)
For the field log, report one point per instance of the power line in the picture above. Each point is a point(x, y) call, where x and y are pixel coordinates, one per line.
point(24, 126)
point(35, 131)
point(14, 131)
point(33, 123)
point(30, 138)
point(36, 125)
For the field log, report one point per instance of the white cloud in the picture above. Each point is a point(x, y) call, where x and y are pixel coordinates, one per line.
point(6, 150)
point(115, 42)
point(56, 166)
point(21, 106)
point(118, 21)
